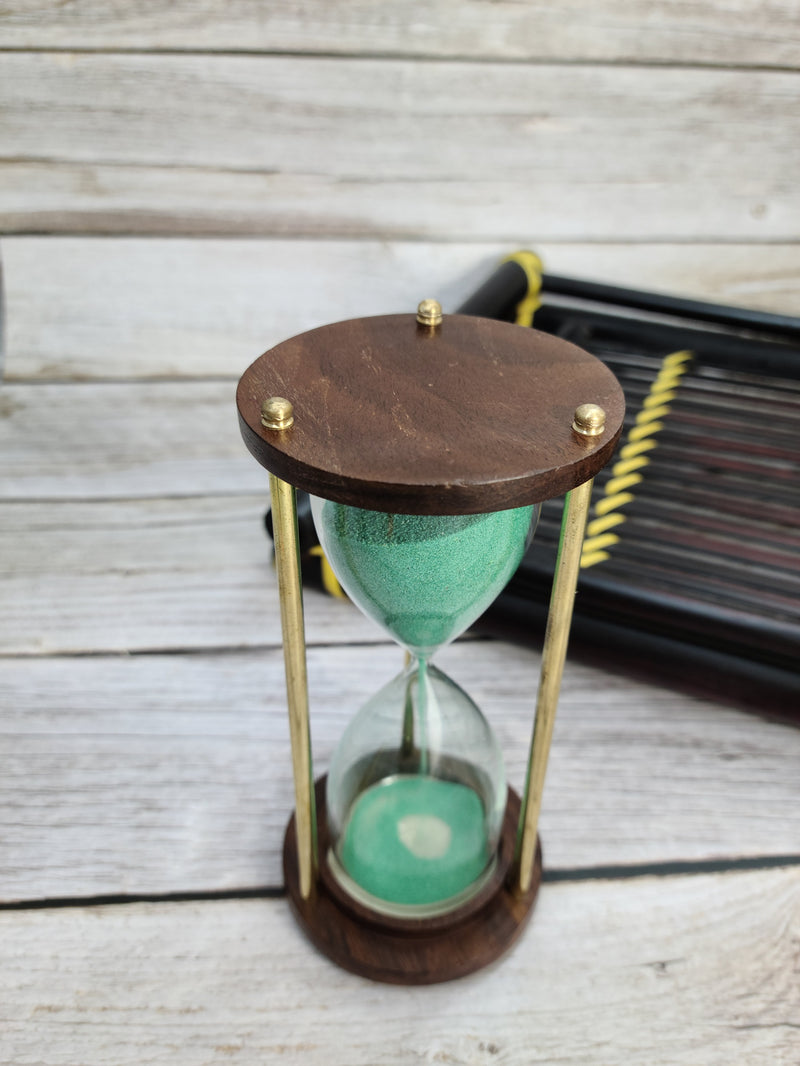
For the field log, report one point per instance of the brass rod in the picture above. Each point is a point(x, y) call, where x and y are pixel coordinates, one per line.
point(554, 652)
point(287, 558)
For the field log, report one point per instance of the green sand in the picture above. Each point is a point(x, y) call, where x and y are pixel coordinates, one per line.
point(424, 578)
point(396, 848)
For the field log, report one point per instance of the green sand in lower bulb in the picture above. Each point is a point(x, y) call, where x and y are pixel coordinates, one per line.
point(424, 578)
point(415, 840)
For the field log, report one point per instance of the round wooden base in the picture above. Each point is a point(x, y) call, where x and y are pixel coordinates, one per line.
point(411, 951)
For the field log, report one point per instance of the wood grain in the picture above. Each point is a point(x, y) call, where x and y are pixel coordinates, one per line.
point(114, 441)
point(412, 951)
point(648, 204)
point(718, 31)
point(388, 148)
point(467, 417)
point(698, 971)
point(131, 576)
point(163, 767)
point(122, 308)
point(168, 773)
point(121, 440)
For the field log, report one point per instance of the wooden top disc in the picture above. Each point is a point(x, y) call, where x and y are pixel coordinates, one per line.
point(469, 416)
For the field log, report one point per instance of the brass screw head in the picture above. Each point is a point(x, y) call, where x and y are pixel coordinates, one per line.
point(277, 413)
point(590, 420)
point(429, 313)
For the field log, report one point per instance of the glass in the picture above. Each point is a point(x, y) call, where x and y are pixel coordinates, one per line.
point(416, 790)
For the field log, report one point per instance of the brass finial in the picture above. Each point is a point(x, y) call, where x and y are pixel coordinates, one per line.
point(429, 313)
point(590, 420)
point(277, 413)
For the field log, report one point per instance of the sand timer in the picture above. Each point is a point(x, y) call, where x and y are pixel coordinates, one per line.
point(427, 444)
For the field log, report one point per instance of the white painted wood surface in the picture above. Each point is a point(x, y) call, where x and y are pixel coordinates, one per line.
point(143, 575)
point(122, 440)
point(698, 970)
point(724, 32)
point(163, 773)
point(669, 201)
point(105, 308)
point(183, 185)
point(396, 148)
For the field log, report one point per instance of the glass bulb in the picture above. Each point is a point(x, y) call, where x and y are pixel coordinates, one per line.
point(423, 578)
point(415, 799)
point(416, 790)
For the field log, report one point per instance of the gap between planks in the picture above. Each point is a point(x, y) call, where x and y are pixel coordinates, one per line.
point(671, 971)
point(112, 765)
point(398, 55)
point(612, 31)
point(551, 876)
point(332, 152)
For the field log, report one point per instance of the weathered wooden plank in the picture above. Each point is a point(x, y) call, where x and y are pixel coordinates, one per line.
point(120, 440)
point(697, 971)
point(95, 198)
point(136, 575)
point(764, 34)
point(89, 307)
point(127, 307)
point(166, 773)
point(348, 147)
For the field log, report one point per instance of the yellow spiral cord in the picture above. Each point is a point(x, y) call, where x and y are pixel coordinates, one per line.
point(634, 456)
point(329, 580)
point(530, 303)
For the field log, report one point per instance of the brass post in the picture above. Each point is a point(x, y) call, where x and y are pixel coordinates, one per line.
point(554, 652)
point(287, 558)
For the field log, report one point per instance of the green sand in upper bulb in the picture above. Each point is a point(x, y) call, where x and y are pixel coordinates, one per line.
point(423, 578)
point(415, 840)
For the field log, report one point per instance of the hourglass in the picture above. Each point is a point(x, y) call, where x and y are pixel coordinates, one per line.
point(427, 443)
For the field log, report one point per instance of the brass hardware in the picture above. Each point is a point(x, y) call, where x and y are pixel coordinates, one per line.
point(559, 617)
point(287, 557)
point(590, 420)
point(429, 313)
point(277, 413)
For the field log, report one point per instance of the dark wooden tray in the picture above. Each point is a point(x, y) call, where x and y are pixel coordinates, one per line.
point(703, 581)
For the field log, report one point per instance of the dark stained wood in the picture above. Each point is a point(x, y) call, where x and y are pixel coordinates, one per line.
point(405, 951)
point(473, 416)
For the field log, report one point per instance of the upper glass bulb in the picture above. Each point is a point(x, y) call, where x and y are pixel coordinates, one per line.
point(423, 578)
